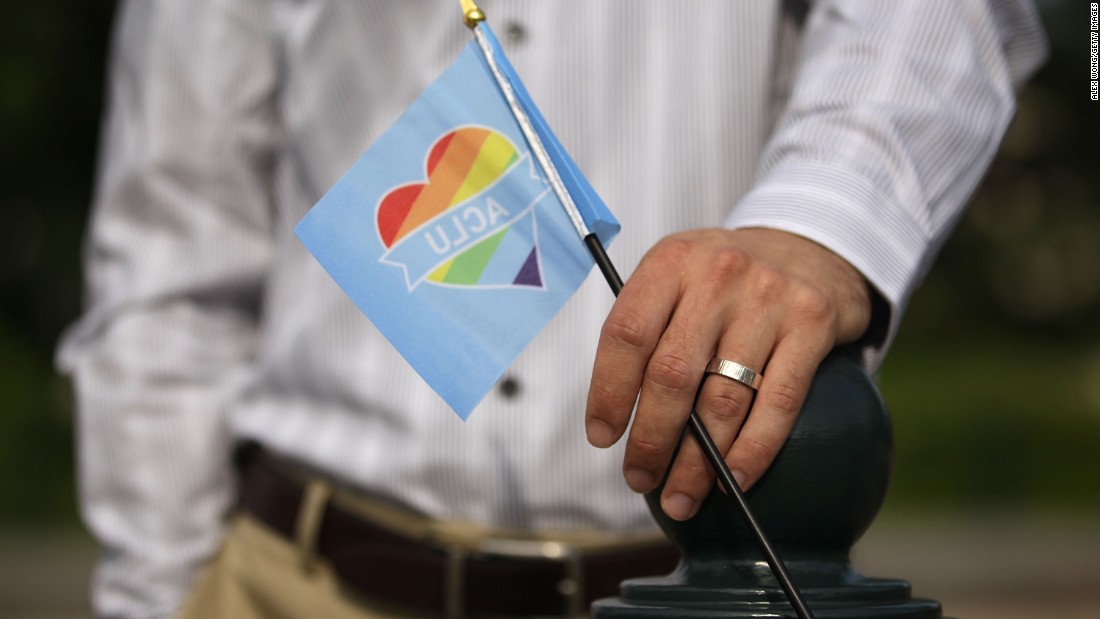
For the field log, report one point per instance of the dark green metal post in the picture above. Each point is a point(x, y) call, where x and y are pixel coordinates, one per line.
point(820, 495)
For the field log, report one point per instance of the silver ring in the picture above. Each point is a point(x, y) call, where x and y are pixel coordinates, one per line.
point(736, 371)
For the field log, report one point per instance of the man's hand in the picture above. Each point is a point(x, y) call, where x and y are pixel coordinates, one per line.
point(769, 300)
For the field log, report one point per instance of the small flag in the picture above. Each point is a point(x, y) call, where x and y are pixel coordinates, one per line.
point(447, 235)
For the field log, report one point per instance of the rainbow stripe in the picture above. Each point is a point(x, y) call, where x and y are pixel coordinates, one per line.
point(459, 166)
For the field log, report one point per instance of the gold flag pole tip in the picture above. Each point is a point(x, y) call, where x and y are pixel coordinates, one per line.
point(471, 14)
point(473, 17)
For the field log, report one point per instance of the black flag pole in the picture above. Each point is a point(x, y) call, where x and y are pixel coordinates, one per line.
point(472, 16)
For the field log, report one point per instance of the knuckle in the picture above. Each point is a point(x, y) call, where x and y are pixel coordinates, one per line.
point(626, 329)
point(669, 371)
point(784, 399)
point(768, 283)
point(728, 404)
point(730, 262)
point(602, 397)
point(813, 304)
point(696, 468)
point(644, 450)
point(691, 476)
point(756, 450)
point(671, 248)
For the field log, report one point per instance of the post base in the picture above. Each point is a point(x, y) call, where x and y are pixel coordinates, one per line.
point(833, 592)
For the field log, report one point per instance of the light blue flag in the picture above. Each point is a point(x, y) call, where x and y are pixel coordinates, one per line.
point(447, 235)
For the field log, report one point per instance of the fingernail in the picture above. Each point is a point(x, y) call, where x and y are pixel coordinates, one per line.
point(679, 506)
point(739, 477)
point(639, 480)
point(599, 433)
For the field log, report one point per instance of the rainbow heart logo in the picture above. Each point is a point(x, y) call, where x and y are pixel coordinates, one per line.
point(471, 222)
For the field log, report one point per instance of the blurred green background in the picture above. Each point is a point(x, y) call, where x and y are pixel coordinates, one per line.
point(994, 381)
point(51, 97)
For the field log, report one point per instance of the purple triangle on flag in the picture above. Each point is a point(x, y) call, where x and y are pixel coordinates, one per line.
point(529, 273)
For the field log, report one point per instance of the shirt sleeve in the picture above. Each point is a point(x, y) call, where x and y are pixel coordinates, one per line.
point(178, 244)
point(896, 111)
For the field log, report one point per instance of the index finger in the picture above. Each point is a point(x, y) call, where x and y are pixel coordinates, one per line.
point(627, 340)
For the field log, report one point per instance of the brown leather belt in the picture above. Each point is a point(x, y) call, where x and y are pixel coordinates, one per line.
point(393, 568)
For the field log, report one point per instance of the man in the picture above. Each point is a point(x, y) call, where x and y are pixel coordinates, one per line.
point(774, 205)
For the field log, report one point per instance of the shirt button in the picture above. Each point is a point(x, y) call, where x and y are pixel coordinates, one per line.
point(514, 34)
point(509, 387)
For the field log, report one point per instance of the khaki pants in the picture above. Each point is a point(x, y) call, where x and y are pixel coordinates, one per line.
point(259, 575)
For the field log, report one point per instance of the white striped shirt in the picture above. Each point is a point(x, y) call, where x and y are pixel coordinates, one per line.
point(208, 323)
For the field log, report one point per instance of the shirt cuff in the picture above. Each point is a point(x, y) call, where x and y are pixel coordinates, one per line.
point(846, 213)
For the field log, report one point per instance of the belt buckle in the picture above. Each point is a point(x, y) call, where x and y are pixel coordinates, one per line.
point(571, 587)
